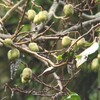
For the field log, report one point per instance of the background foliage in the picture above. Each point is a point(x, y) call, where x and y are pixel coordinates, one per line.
point(83, 23)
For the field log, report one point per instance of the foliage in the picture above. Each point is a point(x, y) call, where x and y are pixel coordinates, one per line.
point(53, 49)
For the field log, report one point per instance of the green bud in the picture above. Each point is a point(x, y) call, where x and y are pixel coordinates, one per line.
point(41, 17)
point(95, 64)
point(13, 54)
point(8, 42)
point(66, 41)
point(68, 10)
point(26, 75)
point(36, 20)
point(33, 47)
point(81, 42)
point(31, 14)
point(23, 81)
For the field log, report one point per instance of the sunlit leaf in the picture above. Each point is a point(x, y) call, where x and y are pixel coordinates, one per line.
point(59, 57)
point(78, 56)
point(85, 54)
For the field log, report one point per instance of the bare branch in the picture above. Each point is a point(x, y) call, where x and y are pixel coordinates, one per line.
point(11, 10)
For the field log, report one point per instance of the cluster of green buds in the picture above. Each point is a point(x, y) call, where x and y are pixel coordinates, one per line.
point(68, 10)
point(41, 17)
point(26, 75)
point(13, 54)
point(33, 46)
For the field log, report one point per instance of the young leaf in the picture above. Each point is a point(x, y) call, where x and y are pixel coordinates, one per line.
point(78, 56)
point(59, 57)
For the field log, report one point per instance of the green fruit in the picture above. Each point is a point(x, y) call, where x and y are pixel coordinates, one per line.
point(66, 41)
point(33, 47)
point(8, 42)
point(95, 64)
point(31, 14)
point(13, 54)
point(46, 15)
point(68, 10)
point(81, 42)
point(26, 72)
point(36, 20)
point(23, 81)
point(26, 75)
point(41, 17)
point(98, 56)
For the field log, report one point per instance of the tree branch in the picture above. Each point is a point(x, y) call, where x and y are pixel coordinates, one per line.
point(11, 10)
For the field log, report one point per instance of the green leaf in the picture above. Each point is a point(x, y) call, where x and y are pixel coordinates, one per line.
point(65, 56)
point(68, 55)
point(97, 29)
point(59, 57)
point(87, 44)
point(73, 96)
point(78, 56)
point(64, 98)
point(71, 54)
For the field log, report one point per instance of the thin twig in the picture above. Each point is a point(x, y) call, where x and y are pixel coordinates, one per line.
point(21, 20)
point(11, 10)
